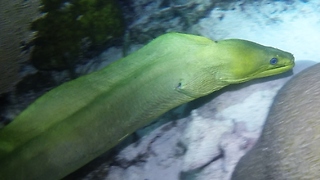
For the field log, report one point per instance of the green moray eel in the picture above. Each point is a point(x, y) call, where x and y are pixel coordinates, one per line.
point(289, 146)
point(81, 119)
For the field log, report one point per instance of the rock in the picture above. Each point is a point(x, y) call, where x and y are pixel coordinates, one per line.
point(289, 145)
point(15, 18)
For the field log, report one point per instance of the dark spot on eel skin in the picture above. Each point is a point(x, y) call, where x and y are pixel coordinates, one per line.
point(179, 86)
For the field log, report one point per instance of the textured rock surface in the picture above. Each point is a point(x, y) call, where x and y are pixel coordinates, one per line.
point(15, 18)
point(290, 141)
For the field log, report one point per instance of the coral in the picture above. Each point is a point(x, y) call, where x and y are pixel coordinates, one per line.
point(148, 19)
point(68, 29)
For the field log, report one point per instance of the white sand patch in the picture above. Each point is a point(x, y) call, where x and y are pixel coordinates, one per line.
point(202, 137)
point(253, 110)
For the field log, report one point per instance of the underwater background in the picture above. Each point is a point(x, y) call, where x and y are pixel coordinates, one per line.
point(44, 43)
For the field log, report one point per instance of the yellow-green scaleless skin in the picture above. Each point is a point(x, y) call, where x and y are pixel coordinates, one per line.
point(81, 119)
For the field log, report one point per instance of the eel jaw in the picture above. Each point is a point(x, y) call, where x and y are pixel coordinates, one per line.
point(274, 71)
point(260, 74)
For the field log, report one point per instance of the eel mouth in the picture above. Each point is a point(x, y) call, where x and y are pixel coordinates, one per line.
point(269, 72)
point(262, 73)
point(274, 71)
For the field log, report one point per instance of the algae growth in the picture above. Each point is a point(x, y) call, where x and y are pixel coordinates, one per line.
point(69, 28)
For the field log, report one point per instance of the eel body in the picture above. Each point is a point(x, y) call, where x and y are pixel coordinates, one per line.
point(74, 123)
point(289, 146)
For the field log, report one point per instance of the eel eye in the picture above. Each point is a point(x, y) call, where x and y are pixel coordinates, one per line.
point(273, 61)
